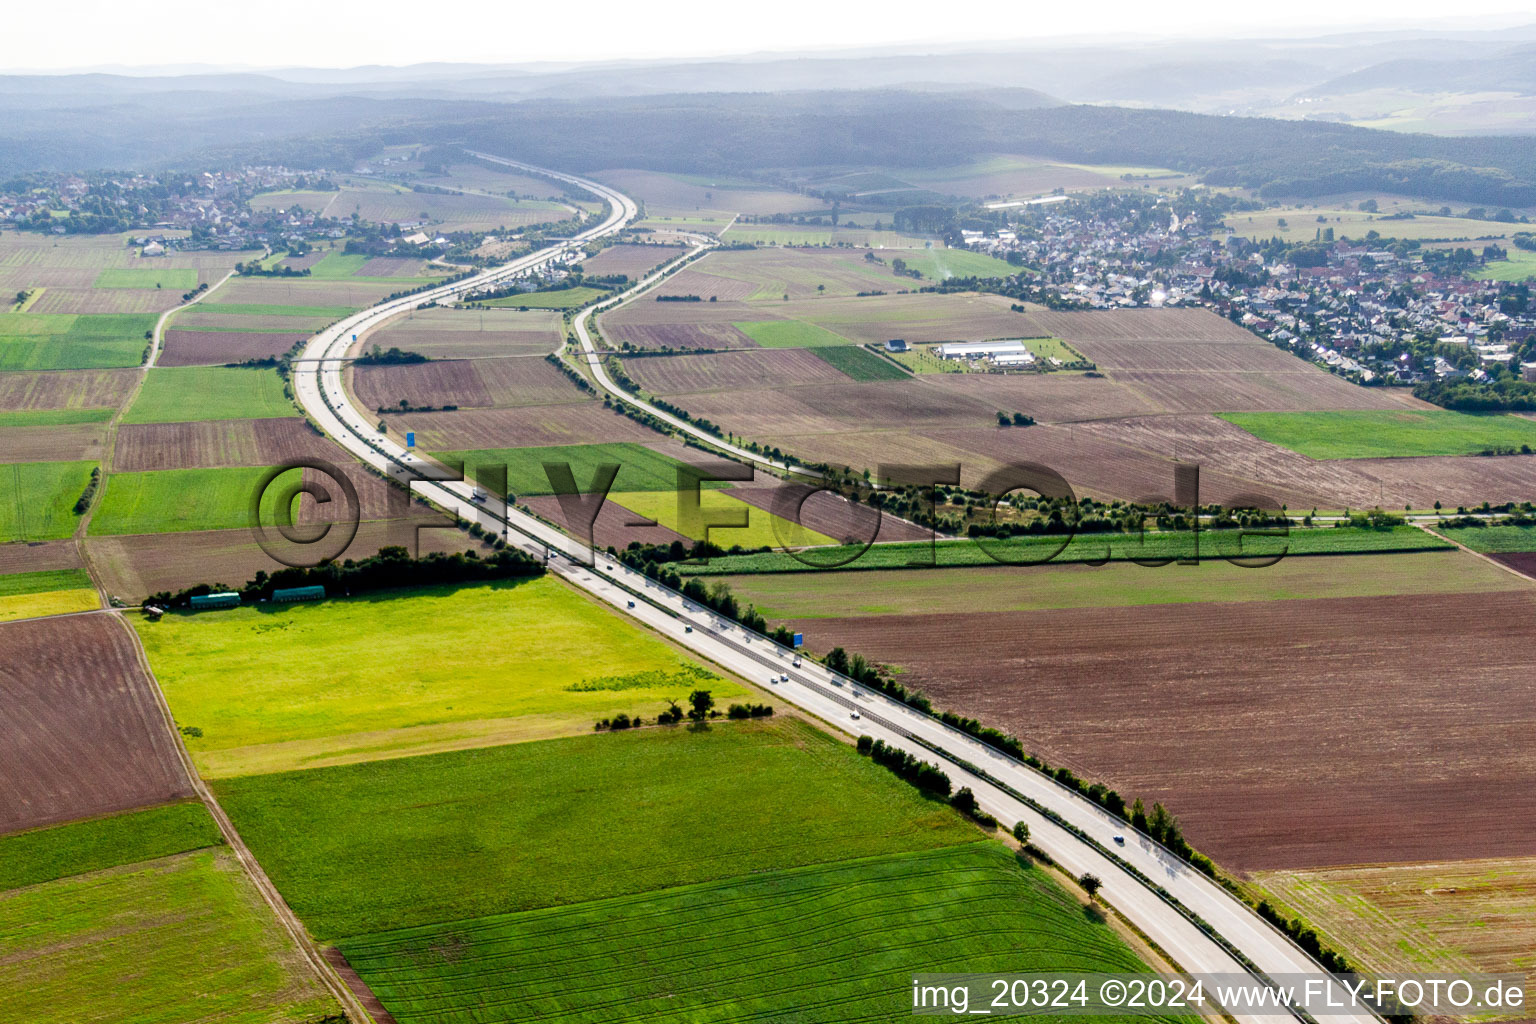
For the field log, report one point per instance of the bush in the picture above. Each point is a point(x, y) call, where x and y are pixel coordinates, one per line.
point(391, 567)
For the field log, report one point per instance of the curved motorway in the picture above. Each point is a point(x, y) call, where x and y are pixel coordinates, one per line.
point(998, 781)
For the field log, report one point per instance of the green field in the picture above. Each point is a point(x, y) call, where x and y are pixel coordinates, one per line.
point(1118, 584)
point(274, 688)
point(177, 500)
point(1495, 540)
point(42, 855)
point(640, 468)
point(54, 417)
point(781, 946)
point(26, 595)
point(173, 278)
point(761, 526)
point(164, 942)
point(67, 341)
point(37, 499)
point(182, 394)
point(1520, 265)
point(789, 334)
point(22, 583)
point(859, 363)
point(1090, 547)
point(939, 264)
point(563, 298)
point(1380, 433)
point(420, 840)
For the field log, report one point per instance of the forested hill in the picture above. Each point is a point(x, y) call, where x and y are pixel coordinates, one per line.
point(725, 133)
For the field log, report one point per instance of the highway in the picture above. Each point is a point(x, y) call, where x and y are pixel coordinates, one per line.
point(834, 699)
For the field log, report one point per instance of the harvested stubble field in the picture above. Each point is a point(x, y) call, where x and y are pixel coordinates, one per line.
point(743, 523)
point(452, 333)
point(1059, 549)
point(615, 525)
point(729, 371)
point(641, 468)
point(763, 275)
point(298, 294)
point(668, 192)
point(828, 514)
point(1192, 360)
point(1454, 916)
point(401, 673)
point(1021, 176)
point(205, 317)
point(53, 443)
point(82, 731)
point(212, 348)
point(451, 212)
point(38, 556)
point(572, 423)
point(467, 383)
point(99, 301)
point(214, 443)
point(159, 942)
point(1119, 584)
point(1254, 720)
point(133, 567)
point(702, 952)
point(893, 242)
point(556, 298)
point(372, 847)
point(84, 389)
point(1453, 481)
point(1302, 225)
point(633, 261)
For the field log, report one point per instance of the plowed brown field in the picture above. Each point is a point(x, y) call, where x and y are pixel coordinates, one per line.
point(722, 371)
point(73, 389)
point(81, 730)
point(1284, 734)
point(584, 423)
point(615, 525)
point(634, 261)
point(210, 443)
point(213, 348)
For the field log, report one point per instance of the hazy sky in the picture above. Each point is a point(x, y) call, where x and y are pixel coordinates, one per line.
point(327, 33)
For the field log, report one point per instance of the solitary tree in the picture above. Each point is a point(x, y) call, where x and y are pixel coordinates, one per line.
point(1021, 832)
point(700, 702)
point(1091, 884)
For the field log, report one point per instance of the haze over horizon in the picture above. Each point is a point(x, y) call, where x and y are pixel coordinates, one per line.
point(190, 38)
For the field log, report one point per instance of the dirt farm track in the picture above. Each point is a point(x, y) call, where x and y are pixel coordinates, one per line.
point(1285, 734)
point(82, 733)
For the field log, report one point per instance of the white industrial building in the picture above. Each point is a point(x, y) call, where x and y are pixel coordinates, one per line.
point(1012, 349)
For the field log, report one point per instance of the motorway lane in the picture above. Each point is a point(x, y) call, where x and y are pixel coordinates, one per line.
point(813, 688)
point(594, 363)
